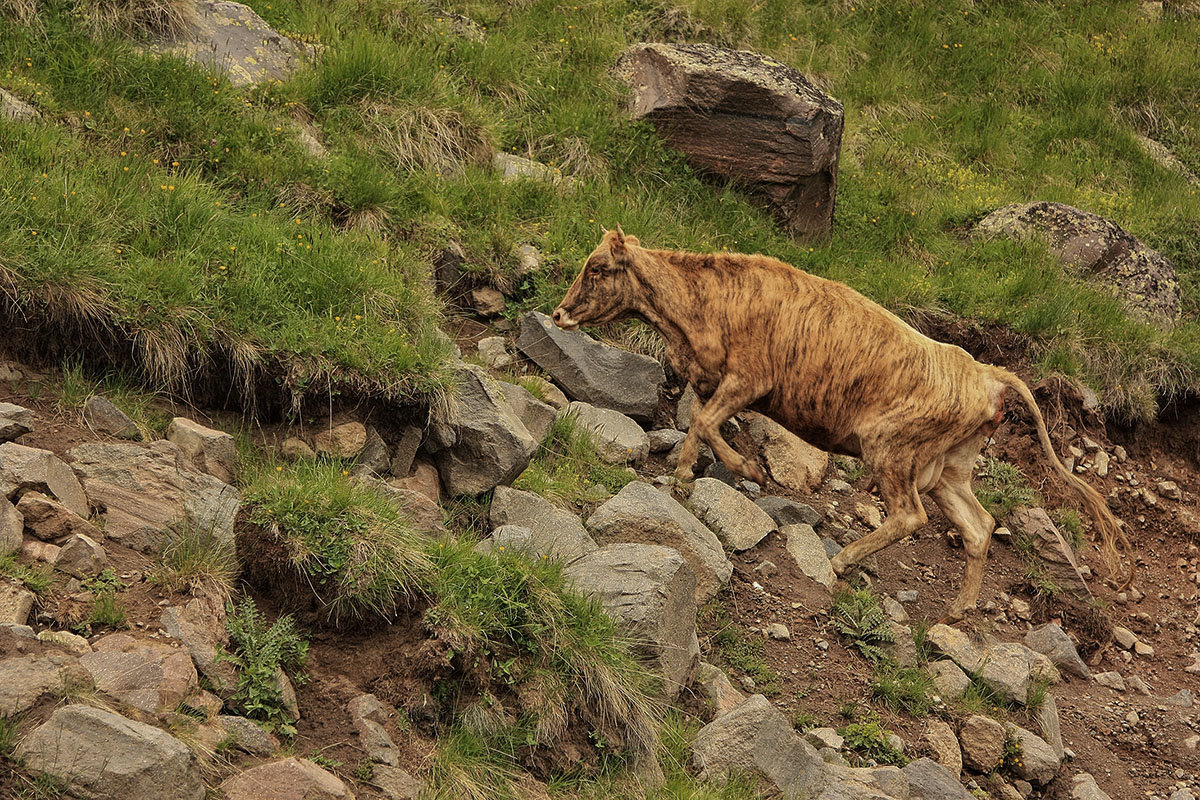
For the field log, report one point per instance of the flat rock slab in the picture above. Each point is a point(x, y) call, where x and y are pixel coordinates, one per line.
point(651, 593)
point(746, 118)
point(722, 695)
point(1059, 558)
point(24, 469)
point(618, 439)
point(12, 528)
point(788, 512)
point(536, 415)
point(101, 416)
point(147, 674)
point(736, 520)
point(595, 373)
point(233, 39)
point(1097, 248)
point(104, 755)
point(1053, 642)
point(289, 779)
point(555, 532)
point(51, 521)
point(640, 513)
point(25, 679)
point(803, 545)
point(200, 626)
point(14, 108)
point(150, 493)
point(929, 780)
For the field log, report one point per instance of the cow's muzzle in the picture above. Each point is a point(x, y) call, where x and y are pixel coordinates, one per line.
point(563, 320)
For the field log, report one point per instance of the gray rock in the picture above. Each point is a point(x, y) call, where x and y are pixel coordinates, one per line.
point(374, 460)
point(894, 610)
point(14, 108)
point(1096, 248)
point(491, 444)
point(15, 421)
point(1046, 716)
point(1060, 562)
point(101, 416)
point(81, 556)
point(685, 408)
point(248, 736)
point(618, 439)
point(745, 118)
point(982, 741)
point(147, 674)
point(805, 547)
point(12, 528)
point(51, 521)
point(737, 521)
point(370, 716)
point(1052, 641)
point(1038, 763)
point(423, 512)
point(1083, 787)
point(1124, 637)
point(15, 603)
point(665, 440)
point(200, 626)
point(590, 371)
point(493, 351)
point(791, 461)
point(1006, 667)
point(25, 679)
point(1182, 793)
point(25, 469)
point(232, 39)
point(514, 168)
point(779, 631)
point(556, 533)
point(832, 548)
point(406, 451)
point(1112, 680)
point(824, 737)
point(341, 441)
point(651, 593)
point(907, 595)
point(721, 694)
point(1181, 699)
point(294, 448)
point(149, 493)
point(395, 783)
point(287, 779)
point(487, 301)
point(950, 682)
point(533, 413)
point(929, 780)
point(17, 631)
point(944, 744)
point(902, 649)
point(640, 513)
point(100, 754)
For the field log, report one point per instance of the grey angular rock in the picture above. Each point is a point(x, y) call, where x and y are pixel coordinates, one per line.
point(1006, 667)
point(493, 352)
point(982, 740)
point(1112, 680)
point(491, 444)
point(294, 448)
point(14, 108)
point(101, 416)
point(746, 118)
point(685, 408)
point(555, 532)
point(546, 391)
point(950, 682)
point(147, 674)
point(805, 547)
point(15, 421)
point(81, 556)
point(929, 780)
point(248, 736)
point(406, 451)
point(200, 625)
point(15, 603)
point(100, 754)
point(208, 449)
point(1053, 642)
point(902, 649)
point(1046, 716)
point(791, 461)
point(665, 440)
point(395, 783)
point(1124, 637)
point(944, 744)
point(374, 460)
point(721, 693)
point(12, 528)
point(487, 301)
point(1059, 558)
point(618, 439)
point(737, 521)
point(640, 513)
point(1096, 248)
point(1083, 787)
point(230, 38)
point(24, 469)
point(533, 413)
point(25, 679)
point(369, 716)
point(824, 737)
point(424, 513)
point(590, 371)
point(651, 593)
point(1181, 699)
point(514, 168)
point(288, 779)
point(150, 493)
point(1038, 763)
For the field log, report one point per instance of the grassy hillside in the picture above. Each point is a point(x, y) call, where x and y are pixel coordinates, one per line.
point(184, 215)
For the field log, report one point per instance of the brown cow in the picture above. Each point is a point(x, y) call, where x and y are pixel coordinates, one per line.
point(833, 367)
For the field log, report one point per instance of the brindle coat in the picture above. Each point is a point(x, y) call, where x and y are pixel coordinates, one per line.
point(840, 371)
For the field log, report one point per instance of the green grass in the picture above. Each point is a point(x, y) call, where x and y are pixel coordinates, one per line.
point(1002, 488)
point(197, 562)
point(566, 466)
point(952, 109)
point(868, 739)
point(259, 650)
point(352, 546)
point(35, 579)
point(739, 651)
point(903, 689)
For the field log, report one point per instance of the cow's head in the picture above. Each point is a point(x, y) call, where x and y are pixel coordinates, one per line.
point(605, 288)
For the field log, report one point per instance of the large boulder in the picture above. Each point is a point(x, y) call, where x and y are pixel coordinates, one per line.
point(200, 626)
point(1008, 668)
point(746, 118)
point(99, 755)
point(640, 513)
point(147, 674)
point(729, 514)
point(1097, 248)
point(15, 421)
point(533, 413)
point(150, 493)
point(982, 740)
point(792, 462)
point(210, 450)
point(618, 439)
point(1056, 553)
point(25, 469)
point(555, 532)
point(232, 39)
point(485, 443)
point(25, 679)
point(590, 371)
point(1038, 763)
point(651, 593)
point(289, 779)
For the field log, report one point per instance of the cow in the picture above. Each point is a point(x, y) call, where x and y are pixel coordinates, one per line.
point(833, 367)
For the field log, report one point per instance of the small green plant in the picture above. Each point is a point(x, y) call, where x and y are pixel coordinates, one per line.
point(197, 561)
point(1002, 488)
point(34, 579)
point(107, 610)
point(8, 736)
point(317, 757)
point(852, 468)
point(803, 721)
point(979, 698)
point(743, 653)
point(858, 617)
point(105, 582)
point(920, 633)
point(364, 771)
point(1070, 524)
point(1038, 689)
point(869, 740)
point(566, 466)
point(1035, 567)
point(260, 651)
point(1013, 754)
point(903, 689)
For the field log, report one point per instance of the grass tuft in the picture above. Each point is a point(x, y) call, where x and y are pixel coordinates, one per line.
point(198, 562)
point(566, 467)
point(36, 579)
point(1002, 488)
point(903, 689)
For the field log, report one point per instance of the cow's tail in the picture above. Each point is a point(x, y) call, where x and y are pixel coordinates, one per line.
point(1105, 522)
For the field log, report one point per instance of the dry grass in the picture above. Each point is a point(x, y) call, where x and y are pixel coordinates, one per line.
point(23, 12)
point(165, 18)
point(422, 138)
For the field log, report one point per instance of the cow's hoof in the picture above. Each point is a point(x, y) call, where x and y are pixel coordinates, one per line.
point(683, 477)
point(953, 616)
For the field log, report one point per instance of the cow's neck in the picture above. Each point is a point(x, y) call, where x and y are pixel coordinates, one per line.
point(663, 305)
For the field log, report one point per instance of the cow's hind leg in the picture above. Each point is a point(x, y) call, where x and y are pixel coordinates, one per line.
point(954, 496)
point(732, 395)
point(905, 514)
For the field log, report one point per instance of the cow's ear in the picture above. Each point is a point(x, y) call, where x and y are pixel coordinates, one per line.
point(617, 247)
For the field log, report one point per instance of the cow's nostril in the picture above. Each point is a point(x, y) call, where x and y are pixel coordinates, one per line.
point(557, 316)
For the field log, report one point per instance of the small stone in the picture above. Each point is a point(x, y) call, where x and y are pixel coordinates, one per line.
point(1132, 718)
point(1112, 680)
point(662, 441)
point(907, 595)
point(101, 416)
point(493, 352)
point(779, 631)
point(1144, 650)
point(15, 422)
point(342, 441)
point(825, 737)
point(81, 556)
point(1124, 637)
point(15, 603)
point(766, 569)
point(840, 486)
point(1120, 453)
point(1169, 490)
point(487, 301)
point(894, 610)
point(1139, 686)
point(1181, 699)
point(948, 679)
point(294, 448)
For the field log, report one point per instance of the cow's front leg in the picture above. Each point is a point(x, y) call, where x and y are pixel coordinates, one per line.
point(732, 395)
